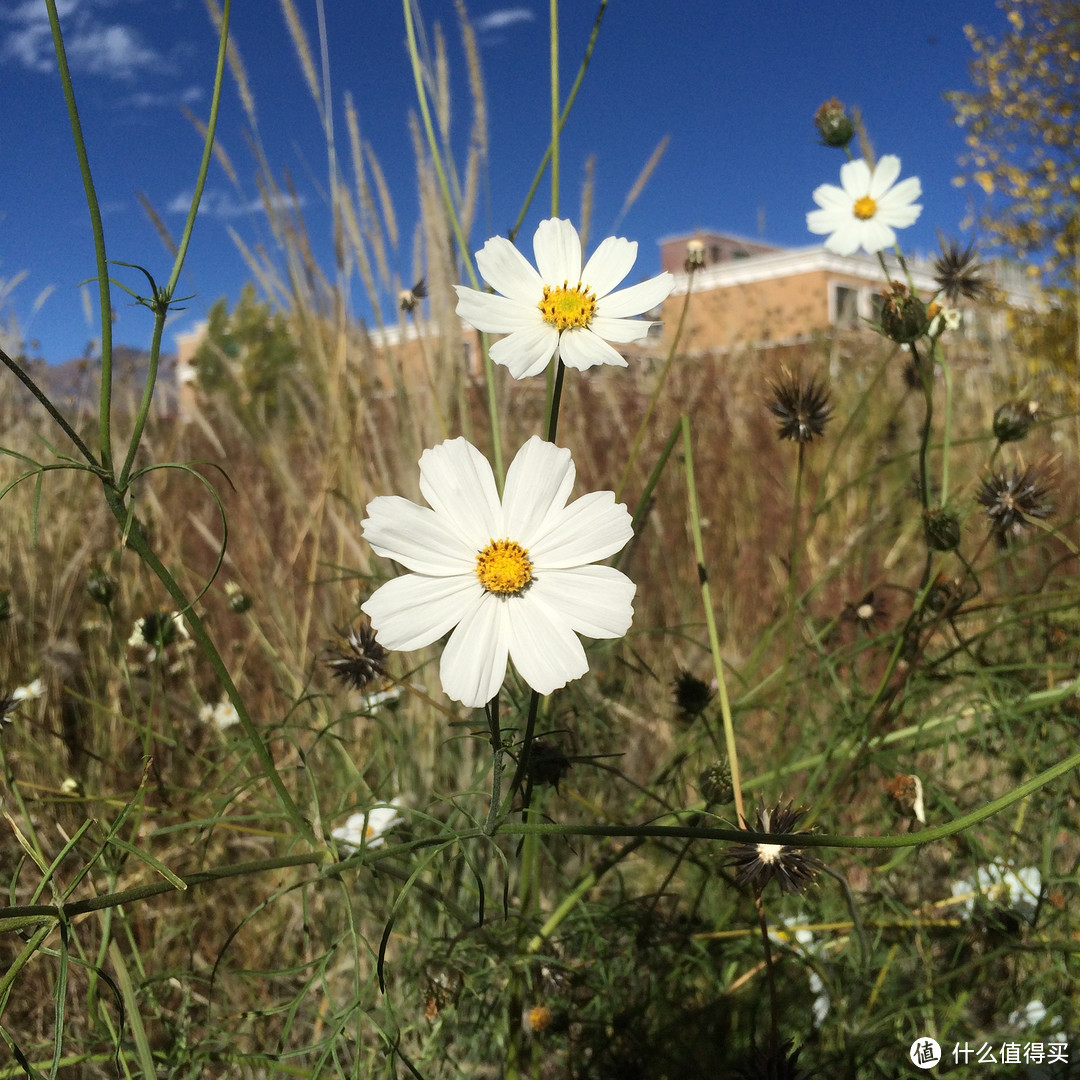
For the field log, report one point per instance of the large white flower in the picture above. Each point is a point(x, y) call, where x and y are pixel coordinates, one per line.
point(558, 308)
point(865, 209)
point(371, 826)
point(511, 578)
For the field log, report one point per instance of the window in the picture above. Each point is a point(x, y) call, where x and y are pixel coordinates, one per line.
point(846, 306)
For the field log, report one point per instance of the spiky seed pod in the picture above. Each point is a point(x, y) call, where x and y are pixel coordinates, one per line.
point(802, 410)
point(758, 862)
point(958, 272)
point(1012, 498)
point(692, 695)
point(356, 658)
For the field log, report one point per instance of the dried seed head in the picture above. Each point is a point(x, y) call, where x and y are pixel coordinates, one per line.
point(802, 410)
point(355, 657)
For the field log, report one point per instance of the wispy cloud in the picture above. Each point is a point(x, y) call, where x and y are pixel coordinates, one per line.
point(94, 44)
point(224, 204)
point(146, 99)
point(501, 18)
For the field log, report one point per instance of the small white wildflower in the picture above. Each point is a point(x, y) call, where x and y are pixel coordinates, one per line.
point(371, 826)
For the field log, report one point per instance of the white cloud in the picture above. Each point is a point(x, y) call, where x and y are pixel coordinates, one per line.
point(93, 44)
point(501, 18)
point(147, 99)
point(224, 204)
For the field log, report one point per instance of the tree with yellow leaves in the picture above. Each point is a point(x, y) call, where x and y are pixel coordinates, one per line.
point(1023, 139)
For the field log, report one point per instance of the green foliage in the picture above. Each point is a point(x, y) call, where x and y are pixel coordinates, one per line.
point(249, 357)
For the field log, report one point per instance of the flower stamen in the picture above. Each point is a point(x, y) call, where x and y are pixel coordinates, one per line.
point(566, 308)
point(503, 567)
point(865, 208)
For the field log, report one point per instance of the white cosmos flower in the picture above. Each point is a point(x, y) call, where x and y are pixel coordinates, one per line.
point(865, 209)
point(559, 308)
point(511, 578)
point(371, 826)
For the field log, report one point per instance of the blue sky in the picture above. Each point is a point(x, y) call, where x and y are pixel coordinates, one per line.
point(734, 85)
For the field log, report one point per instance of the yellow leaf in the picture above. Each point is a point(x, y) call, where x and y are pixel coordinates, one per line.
point(985, 180)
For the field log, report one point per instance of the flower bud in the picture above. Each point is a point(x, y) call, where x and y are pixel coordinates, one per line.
point(903, 315)
point(715, 784)
point(101, 587)
point(833, 124)
point(1013, 420)
point(941, 530)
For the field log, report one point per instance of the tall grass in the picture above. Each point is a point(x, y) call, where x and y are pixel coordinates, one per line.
point(177, 902)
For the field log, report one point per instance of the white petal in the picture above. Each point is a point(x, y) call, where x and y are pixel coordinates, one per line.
point(582, 349)
point(590, 528)
point(557, 248)
point(875, 235)
point(829, 196)
point(528, 351)
point(593, 600)
point(543, 647)
point(827, 221)
point(885, 173)
point(846, 239)
point(474, 661)
point(538, 483)
point(495, 314)
point(459, 486)
point(855, 178)
point(621, 330)
point(413, 611)
point(637, 298)
point(507, 271)
point(416, 537)
point(907, 191)
point(609, 264)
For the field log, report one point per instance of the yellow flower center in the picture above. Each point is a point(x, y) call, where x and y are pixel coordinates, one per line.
point(865, 208)
point(503, 567)
point(568, 307)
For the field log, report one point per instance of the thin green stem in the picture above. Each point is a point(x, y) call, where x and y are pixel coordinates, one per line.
point(492, 822)
point(710, 619)
point(138, 543)
point(635, 446)
point(794, 551)
point(98, 231)
point(556, 119)
point(542, 168)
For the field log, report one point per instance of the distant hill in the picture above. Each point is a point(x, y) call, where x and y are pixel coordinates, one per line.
point(74, 385)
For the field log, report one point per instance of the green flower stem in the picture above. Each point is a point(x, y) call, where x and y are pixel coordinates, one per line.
point(654, 478)
point(459, 237)
point(138, 543)
point(946, 438)
point(556, 118)
point(635, 446)
point(710, 619)
point(555, 373)
point(794, 550)
point(101, 259)
point(492, 822)
point(531, 193)
point(163, 299)
point(12, 918)
point(51, 409)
